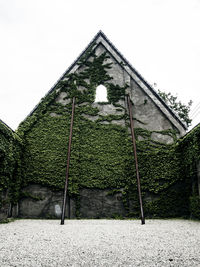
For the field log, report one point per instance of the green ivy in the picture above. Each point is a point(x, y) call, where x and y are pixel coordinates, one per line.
point(195, 206)
point(10, 165)
point(101, 155)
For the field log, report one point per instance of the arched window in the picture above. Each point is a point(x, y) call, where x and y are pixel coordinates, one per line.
point(101, 94)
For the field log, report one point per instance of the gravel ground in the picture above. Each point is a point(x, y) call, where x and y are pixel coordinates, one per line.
point(100, 243)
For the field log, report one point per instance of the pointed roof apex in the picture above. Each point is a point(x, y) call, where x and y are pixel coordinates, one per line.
point(100, 32)
point(101, 38)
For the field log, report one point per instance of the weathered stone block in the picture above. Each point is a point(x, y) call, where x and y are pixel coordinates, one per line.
point(42, 202)
point(5, 206)
point(53, 114)
point(62, 99)
point(162, 138)
point(96, 203)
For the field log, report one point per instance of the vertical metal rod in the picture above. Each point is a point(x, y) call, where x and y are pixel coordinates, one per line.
point(135, 156)
point(68, 161)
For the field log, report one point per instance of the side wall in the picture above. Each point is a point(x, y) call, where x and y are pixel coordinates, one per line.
point(189, 149)
point(10, 178)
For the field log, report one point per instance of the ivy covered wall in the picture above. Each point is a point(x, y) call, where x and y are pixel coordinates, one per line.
point(189, 149)
point(10, 165)
point(102, 168)
point(102, 156)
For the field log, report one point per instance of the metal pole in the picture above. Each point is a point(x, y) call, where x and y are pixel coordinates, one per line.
point(135, 156)
point(68, 161)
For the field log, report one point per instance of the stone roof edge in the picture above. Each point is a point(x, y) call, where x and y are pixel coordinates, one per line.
point(101, 37)
point(169, 113)
point(69, 69)
point(190, 131)
point(6, 125)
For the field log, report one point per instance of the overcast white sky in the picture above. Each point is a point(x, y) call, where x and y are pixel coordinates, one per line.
point(40, 39)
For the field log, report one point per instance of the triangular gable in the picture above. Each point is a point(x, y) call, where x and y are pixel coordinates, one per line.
point(101, 39)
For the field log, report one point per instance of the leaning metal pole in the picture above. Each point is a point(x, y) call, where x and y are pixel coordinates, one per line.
point(68, 161)
point(135, 156)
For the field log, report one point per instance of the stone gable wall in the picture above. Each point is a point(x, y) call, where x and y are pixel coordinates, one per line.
point(102, 179)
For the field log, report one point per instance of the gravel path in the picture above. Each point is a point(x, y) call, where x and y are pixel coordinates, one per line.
point(100, 243)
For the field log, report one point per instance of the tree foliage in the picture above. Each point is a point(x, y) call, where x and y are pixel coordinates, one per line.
point(182, 110)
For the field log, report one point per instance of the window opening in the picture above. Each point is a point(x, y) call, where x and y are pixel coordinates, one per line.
point(101, 94)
